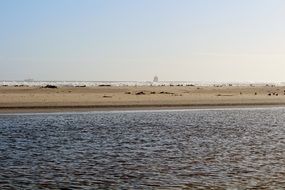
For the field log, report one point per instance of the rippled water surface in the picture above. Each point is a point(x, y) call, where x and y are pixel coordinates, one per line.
point(194, 149)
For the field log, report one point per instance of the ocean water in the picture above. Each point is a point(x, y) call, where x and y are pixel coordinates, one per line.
point(174, 149)
point(126, 83)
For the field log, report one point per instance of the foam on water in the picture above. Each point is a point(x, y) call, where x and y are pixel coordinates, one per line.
point(126, 83)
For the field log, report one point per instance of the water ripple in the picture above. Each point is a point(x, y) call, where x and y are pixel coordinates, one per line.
point(203, 149)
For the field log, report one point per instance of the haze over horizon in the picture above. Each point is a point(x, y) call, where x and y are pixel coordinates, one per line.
point(184, 40)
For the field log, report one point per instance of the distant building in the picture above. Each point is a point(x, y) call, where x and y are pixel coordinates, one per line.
point(155, 79)
point(29, 80)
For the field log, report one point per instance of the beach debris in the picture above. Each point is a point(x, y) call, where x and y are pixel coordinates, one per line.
point(140, 93)
point(224, 95)
point(127, 92)
point(50, 86)
point(255, 93)
point(80, 86)
point(267, 85)
point(190, 85)
point(240, 93)
point(105, 96)
point(269, 94)
point(104, 85)
point(152, 92)
point(163, 92)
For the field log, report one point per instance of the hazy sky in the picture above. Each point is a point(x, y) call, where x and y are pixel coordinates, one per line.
point(193, 40)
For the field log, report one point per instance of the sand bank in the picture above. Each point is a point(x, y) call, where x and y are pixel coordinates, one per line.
point(36, 99)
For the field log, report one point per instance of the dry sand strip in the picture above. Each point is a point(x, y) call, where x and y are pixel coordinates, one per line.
point(37, 99)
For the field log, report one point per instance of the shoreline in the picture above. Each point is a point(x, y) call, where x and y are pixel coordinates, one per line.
point(65, 109)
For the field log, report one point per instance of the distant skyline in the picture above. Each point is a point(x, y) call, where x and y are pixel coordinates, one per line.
point(126, 40)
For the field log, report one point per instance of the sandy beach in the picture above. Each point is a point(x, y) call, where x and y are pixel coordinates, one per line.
point(38, 99)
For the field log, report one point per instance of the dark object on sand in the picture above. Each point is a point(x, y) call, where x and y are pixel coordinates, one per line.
point(255, 93)
point(81, 86)
point(163, 92)
point(50, 86)
point(102, 85)
point(269, 94)
point(140, 93)
point(224, 95)
point(152, 92)
point(107, 96)
point(127, 92)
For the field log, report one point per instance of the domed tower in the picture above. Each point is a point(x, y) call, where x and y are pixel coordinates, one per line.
point(155, 79)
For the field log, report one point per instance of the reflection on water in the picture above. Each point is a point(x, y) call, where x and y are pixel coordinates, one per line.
point(218, 149)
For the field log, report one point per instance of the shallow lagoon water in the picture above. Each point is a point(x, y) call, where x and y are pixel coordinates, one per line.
point(174, 149)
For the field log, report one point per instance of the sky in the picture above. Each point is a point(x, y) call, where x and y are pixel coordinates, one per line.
point(127, 40)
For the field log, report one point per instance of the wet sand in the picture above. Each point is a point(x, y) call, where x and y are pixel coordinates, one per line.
point(37, 99)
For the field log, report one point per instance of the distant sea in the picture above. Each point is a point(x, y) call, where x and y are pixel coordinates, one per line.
point(127, 83)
